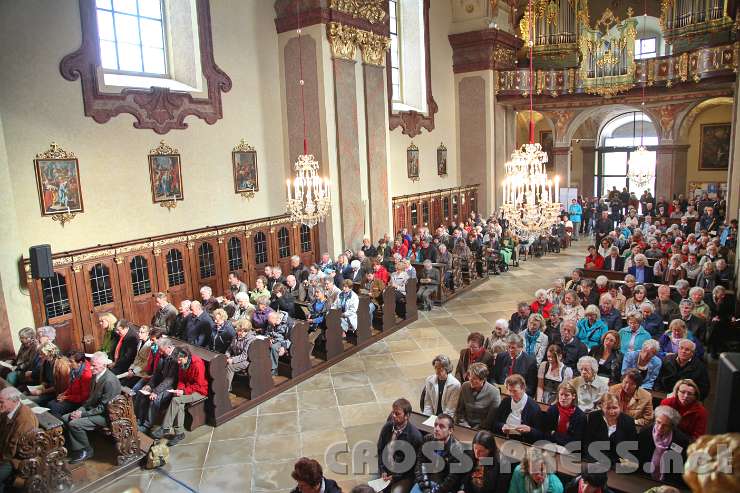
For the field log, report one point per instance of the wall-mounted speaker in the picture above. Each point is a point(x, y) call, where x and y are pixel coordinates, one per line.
point(41, 266)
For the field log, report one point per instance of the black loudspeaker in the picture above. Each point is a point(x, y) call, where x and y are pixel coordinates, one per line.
point(727, 401)
point(41, 267)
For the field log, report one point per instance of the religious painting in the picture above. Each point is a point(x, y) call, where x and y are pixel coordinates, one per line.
point(165, 174)
point(714, 150)
point(546, 143)
point(244, 163)
point(58, 180)
point(442, 160)
point(412, 162)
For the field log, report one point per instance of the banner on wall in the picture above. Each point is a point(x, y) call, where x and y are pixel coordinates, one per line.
point(567, 195)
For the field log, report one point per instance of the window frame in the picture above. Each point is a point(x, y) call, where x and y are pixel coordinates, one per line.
point(396, 98)
point(411, 121)
point(654, 53)
point(145, 103)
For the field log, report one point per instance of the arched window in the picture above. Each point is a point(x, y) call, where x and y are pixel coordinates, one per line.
point(56, 299)
point(425, 212)
point(283, 242)
point(305, 238)
point(175, 270)
point(618, 140)
point(235, 253)
point(414, 215)
point(140, 283)
point(446, 207)
point(205, 260)
point(455, 210)
point(260, 248)
point(100, 285)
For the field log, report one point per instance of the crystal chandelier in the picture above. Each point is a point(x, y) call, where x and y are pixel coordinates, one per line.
point(640, 170)
point(308, 195)
point(530, 204)
point(308, 202)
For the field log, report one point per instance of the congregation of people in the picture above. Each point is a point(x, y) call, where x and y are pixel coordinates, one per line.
point(576, 363)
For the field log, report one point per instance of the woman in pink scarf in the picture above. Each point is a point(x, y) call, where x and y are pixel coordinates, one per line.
point(663, 445)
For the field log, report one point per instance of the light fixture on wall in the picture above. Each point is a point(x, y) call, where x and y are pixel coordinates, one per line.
point(530, 202)
point(308, 193)
point(640, 167)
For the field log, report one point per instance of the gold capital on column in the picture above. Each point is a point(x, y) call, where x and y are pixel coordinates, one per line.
point(343, 40)
point(373, 47)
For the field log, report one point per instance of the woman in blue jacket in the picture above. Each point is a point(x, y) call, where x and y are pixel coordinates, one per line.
point(574, 214)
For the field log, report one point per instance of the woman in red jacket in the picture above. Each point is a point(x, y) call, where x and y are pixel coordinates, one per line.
point(78, 391)
point(593, 260)
point(686, 400)
point(192, 386)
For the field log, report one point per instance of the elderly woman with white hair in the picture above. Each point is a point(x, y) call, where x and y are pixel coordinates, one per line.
point(541, 304)
point(662, 447)
point(701, 308)
point(641, 270)
point(496, 342)
point(632, 336)
point(646, 362)
point(570, 308)
point(243, 307)
point(590, 386)
point(590, 328)
point(441, 390)
point(556, 292)
point(634, 302)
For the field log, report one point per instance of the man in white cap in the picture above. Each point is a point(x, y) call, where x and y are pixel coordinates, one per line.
point(92, 415)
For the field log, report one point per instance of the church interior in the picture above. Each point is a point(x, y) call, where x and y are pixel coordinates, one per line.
point(294, 245)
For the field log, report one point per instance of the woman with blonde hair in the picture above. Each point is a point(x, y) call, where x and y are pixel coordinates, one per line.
point(564, 422)
point(686, 399)
point(571, 308)
point(54, 375)
point(535, 340)
point(551, 374)
point(670, 340)
point(107, 322)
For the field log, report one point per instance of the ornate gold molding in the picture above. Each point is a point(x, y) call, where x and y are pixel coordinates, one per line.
point(55, 152)
point(373, 47)
point(163, 150)
point(369, 10)
point(344, 41)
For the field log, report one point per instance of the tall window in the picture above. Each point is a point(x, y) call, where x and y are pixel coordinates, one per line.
point(619, 138)
point(100, 286)
point(235, 254)
point(56, 299)
point(175, 270)
point(140, 283)
point(305, 238)
point(414, 215)
point(260, 248)
point(395, 50)
point(205, 260)
point(131, 34)
point(645, 48)
point(283, 243)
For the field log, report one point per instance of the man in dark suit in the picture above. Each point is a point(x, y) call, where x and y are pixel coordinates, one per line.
point(603, 226)
point(614, 261)
point(641, 270)
point(164, 318)
point(125, 348)
point(519, 319)
point(183, 320)
point(199, 332)
point(427, 251)
point(298, 270)
point(428, 284)
point(15, 421)
point(92, 415)
point(573, 348)
point(397, 429)
point(515, 360)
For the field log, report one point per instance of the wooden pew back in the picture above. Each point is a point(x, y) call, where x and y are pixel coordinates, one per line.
point(260, 378)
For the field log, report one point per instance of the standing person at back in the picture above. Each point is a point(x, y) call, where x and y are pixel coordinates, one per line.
point(575, 213)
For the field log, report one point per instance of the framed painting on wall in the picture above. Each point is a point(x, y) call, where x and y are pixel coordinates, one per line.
point(546, 143)
point(165, 174)
point(714, 147)
point(412, 162)
point(58, 181)
point(244, 163)
point(442, 160)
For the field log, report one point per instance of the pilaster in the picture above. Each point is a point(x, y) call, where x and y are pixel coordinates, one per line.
point(587, 176)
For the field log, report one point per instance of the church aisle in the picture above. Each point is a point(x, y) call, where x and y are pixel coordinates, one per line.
point(347, 403)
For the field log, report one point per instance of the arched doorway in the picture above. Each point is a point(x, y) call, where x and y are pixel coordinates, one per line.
point(618, 139)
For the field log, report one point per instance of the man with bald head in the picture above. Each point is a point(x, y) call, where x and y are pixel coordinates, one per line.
point(199, 331)
point(15, 421)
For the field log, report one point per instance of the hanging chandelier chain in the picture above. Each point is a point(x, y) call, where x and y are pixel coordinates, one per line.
point(531, 73)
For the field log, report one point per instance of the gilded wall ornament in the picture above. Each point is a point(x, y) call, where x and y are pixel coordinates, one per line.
point(343, 40)
point(369, 10)
point(373, 47)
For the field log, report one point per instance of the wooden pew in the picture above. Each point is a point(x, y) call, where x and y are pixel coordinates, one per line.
point(298, 355)
point(333, 346)
point(217, 403)
point(412, 311)
point(388, 316)
point(364, 330)
point(566, 466)
point(259, 369)
point(123, 429)
point(43, 465)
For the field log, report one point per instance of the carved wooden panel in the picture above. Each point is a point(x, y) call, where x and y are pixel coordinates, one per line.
point(156, 108)
point(54, 302)
point(99, 290)
point(138, 283)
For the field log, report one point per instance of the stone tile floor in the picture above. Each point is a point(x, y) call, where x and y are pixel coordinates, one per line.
point(347, 403)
